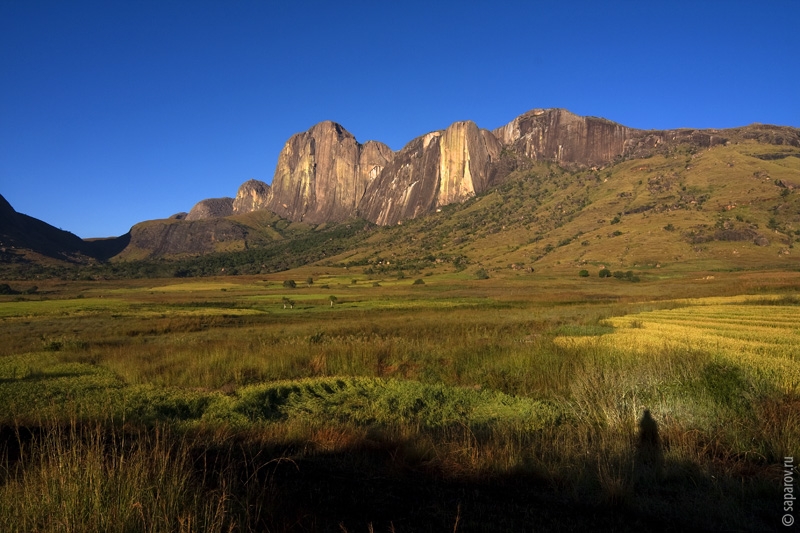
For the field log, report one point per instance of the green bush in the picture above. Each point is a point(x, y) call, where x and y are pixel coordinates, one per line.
point(289, 284)
point(605, 273)
point(419, 282)
point(481, 274)
point(584, 273)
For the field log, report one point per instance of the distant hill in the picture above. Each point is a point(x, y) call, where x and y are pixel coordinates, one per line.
point(24, 238)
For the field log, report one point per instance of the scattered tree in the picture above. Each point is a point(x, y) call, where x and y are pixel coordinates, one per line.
point(631, 277)
point(605, 273)
point(5, 288)
point(289, 284)
point(310, 281)
point(333, 299)
point(419, 282)
point(481, 274)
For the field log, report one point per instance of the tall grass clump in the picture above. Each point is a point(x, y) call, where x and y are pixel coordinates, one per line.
point(90, 479)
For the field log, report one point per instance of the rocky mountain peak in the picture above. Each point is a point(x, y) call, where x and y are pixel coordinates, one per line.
point(211, 208)
point(251, 196)
point(432, 170)
point(322, 174)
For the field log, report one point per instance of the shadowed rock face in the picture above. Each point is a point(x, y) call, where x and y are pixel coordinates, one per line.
point(436, 169)
point(187, 236)
point(322, 174)
point(407, 186)
point(251, 196)
point(373, 159)
point(211, 208)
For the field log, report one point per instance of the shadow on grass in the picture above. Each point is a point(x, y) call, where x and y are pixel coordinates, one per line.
point(38, 377)
point(378, 483)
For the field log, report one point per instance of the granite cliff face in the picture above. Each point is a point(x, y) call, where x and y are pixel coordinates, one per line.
point(322, 174)
point(558, 135)
point(251, 196)
point(436, 169)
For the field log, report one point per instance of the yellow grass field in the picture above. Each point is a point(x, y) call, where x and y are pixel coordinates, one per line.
point(764, 339)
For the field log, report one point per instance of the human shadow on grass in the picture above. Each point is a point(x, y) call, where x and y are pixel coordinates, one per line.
point(649, 457)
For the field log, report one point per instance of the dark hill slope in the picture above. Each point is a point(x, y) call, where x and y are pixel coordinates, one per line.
point(23, 237)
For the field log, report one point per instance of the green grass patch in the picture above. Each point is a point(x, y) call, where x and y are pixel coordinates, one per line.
point(377, 402)
point(583, 330)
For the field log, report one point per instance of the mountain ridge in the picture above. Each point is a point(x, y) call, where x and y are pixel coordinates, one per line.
point(326, 178)
point(426, 174)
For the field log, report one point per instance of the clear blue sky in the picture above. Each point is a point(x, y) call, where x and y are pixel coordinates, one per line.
point(114, 112)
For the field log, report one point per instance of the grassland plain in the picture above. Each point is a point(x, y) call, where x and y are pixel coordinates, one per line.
point(458, 404)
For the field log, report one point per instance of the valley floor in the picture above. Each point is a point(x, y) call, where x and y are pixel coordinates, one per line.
point(358, 403)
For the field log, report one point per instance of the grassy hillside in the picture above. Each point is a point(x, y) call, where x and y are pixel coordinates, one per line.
point(728, 207)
